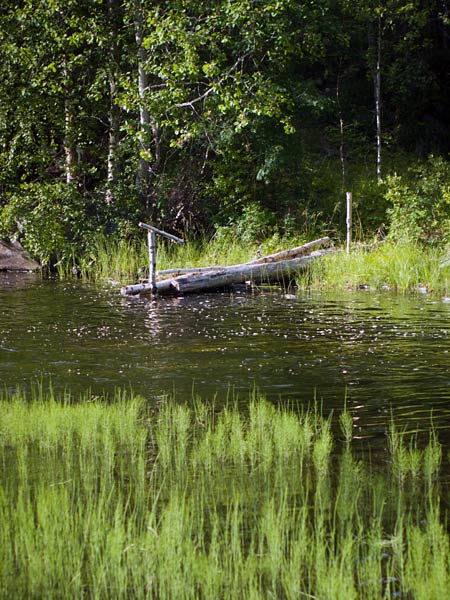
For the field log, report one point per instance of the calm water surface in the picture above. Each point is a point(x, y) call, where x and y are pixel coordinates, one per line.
point(385, 353)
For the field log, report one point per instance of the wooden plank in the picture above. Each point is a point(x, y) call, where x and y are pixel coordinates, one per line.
point(169, 236)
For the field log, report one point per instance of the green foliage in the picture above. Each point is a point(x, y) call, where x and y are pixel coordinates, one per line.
point(253, 226)
point(420, 203)
point(259, 113)
point(50, 218)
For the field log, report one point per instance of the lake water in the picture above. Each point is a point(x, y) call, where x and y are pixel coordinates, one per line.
point(385, 353)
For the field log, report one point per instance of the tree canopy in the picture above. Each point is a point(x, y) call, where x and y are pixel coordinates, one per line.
point(201, 115)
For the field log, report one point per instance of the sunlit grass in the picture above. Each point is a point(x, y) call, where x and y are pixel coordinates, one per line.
point(398, 267)
point(108, 498)
point(111, 259)
point(123, 261)
point(405, 267)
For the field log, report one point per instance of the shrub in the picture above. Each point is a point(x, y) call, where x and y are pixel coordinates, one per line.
point(49, 218)
point(420, 203)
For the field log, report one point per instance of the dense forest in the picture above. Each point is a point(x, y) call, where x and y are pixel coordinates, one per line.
point(249, 116)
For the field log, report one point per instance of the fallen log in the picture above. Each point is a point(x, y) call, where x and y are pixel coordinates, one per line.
point(226, 276)
point(278, 256)
point(185, 270)
point(291, 253)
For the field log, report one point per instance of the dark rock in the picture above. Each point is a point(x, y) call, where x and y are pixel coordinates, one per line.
point(14, 258)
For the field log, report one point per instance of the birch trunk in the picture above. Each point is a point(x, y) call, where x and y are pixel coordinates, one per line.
point(114, 115)
point(70, 152)
point(144, 115)
point(375, 66)
point(114, 123)
point(341, 129)
point(377, 86)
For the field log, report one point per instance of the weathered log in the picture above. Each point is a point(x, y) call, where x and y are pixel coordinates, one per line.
point(291, 253)
point(278, 256)
point(257, 273)
point(184, 270)
point(135, 289)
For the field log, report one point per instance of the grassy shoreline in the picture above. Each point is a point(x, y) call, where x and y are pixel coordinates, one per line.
point(401, 267)
point(107, 498)
point(404, 268)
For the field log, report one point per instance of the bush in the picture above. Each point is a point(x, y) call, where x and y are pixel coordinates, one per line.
point(420, 203)
point(49, 218)
point(252, 226)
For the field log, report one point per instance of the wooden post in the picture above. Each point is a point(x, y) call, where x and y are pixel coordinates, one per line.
point(151, 236)
point(349, 220)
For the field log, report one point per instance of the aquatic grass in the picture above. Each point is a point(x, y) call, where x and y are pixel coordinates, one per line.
point(408, 460)
point(114, 259)
point(322, 447)
point(53, 423)
point(427, 569)
point(404, 267)
point(204, 252)
point(122, 260)
point(346, 425)
point(186, 503)
point(432, 458)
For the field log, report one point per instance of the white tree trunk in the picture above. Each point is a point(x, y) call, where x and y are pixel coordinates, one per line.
point(69, 131)
point(377, 91)
point(144, 115)
point(341, 130)
point(112, 141)
point(114, 117)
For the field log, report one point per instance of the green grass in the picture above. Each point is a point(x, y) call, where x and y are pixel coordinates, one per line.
point(108, 499)
point(405, 267)
point(399, 267)
point(125, 261)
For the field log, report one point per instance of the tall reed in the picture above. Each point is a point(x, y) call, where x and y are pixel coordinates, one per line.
point(405, 267)
point(106, 499)
point(123, 260)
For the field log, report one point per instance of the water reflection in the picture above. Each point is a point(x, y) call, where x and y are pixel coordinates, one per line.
point(385, 353)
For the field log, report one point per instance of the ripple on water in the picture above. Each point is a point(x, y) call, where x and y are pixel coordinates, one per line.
point(385, 353)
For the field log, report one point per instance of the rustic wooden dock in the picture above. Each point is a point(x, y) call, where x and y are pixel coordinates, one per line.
point(280, 267)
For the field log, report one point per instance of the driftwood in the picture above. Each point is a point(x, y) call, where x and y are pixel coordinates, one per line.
point(257, 273)
point(278, 256)
point(291, 253)
point(185, 270)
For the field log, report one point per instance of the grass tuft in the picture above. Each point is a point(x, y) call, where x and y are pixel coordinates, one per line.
point(105, 499)
point(405, 267)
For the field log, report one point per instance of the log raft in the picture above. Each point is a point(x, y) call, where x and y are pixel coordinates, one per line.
point(279, 267)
